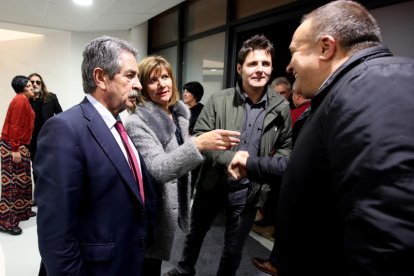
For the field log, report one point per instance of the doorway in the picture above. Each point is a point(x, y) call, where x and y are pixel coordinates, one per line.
point(280, 34)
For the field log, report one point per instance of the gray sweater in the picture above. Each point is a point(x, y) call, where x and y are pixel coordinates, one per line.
point(153, 134)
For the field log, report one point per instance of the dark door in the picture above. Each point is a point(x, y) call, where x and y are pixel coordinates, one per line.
point(279, 33)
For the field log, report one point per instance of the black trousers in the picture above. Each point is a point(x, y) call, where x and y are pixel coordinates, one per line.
point(239, 220)
point(151, 267)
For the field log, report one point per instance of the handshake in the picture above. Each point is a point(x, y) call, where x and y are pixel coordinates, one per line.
point(237, 166)
point(220, 139)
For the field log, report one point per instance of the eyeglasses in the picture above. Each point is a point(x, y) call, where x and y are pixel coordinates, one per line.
point(38, 82)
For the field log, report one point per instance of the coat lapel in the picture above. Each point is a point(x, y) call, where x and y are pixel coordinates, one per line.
point(107, 142)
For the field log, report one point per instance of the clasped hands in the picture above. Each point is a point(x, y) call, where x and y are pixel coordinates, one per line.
point(220, 139)
point(237, 167)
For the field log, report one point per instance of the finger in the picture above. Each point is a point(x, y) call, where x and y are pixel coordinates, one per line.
point(233, 139)
point(233, 176)
point(228, 132)
point(233, 173)
point(219, 147)
point(232, 133)
point(231, 144)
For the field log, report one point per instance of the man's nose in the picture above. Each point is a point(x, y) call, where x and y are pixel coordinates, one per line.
point(289, 68)
point(137, 85)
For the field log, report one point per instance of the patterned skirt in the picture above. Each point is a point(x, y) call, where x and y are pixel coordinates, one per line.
point(16, 187)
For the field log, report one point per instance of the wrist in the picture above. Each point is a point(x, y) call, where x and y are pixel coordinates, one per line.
point(198, 143)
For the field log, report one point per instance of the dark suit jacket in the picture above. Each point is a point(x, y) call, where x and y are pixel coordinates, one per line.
point(91, 219)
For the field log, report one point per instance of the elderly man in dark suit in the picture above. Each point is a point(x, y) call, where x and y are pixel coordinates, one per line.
point(94, 208)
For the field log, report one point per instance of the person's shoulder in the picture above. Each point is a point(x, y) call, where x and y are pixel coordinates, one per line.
point(378, 59)
point(225, 93)
point(69, 114)
point(391, 63)
point(198, 107)
point(66, 118)
point(138, 118)
point(52, 95)
point(182, 110)
point(20, 100)
point(380, 68)
point(274, 96)
point(276, 100)
point(133, 118)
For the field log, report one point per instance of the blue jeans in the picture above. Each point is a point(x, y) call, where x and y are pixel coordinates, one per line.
point(239, 220)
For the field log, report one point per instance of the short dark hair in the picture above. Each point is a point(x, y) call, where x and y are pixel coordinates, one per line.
point(348, 22)
point(256, 42)
point(19, 83)
point(195, 88)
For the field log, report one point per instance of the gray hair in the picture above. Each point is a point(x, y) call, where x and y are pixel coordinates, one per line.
point(103, 52)
point(348, 22)
point(281, 80)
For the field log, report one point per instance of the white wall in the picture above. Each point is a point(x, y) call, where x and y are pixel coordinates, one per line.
point(57, 56)
point(396, 23)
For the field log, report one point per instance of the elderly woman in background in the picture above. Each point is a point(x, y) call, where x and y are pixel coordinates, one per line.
point(159, 129)
point(16, 179)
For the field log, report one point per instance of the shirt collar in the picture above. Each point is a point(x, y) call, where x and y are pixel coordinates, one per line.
point(106, 115)
point(262, 101)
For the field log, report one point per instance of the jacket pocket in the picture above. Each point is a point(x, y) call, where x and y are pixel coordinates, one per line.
point(94, 252)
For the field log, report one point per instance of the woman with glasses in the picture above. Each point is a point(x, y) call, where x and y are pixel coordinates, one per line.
point(45, 105)
point(16, 179)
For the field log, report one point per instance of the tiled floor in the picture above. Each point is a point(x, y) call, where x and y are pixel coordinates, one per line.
point(19, 255)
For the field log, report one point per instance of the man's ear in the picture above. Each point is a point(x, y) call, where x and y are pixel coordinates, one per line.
point(327, 45)
point(100, 78)
point(239, 69)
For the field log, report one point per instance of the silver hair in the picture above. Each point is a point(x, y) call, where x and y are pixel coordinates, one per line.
point(103, 52)
point(281, 80)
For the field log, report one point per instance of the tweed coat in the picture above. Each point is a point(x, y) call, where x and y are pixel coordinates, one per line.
point(153, 133)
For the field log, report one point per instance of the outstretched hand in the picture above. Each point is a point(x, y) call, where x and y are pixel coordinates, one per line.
point(218, 139)
point(237, 166)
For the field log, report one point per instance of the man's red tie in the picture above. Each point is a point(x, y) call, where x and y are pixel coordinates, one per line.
point(132, 159)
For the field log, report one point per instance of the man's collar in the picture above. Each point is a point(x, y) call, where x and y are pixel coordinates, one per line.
point(106, 115)
point(243, 95)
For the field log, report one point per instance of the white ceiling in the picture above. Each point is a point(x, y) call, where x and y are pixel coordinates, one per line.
point(102, 15)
